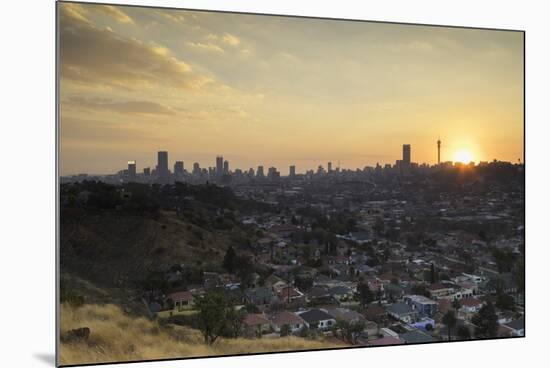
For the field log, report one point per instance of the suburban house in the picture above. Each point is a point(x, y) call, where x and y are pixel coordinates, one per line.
point(425, 306)
point(318, 318)
point(256, 324)
point(516, 327)
point(346, 314)
point(416, 337)
point(439, 290)
point(385, 341)
point(376, 313)
point(183, 300)
point(341, 293)
point(289, 294)
point(274, 282)
point(402, 312)
point(470, 305)
point(259, 296)
point(280, 319)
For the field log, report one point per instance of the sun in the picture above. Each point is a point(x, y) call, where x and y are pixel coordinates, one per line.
point(463, 156)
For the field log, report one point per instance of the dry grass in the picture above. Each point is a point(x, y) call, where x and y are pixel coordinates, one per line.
point(118, 337)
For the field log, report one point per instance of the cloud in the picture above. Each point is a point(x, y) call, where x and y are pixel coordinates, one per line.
point(205, 46)
point(100, 57)
point(231, 39)
point(115, 13)
point(121, 107)
point(174, 16)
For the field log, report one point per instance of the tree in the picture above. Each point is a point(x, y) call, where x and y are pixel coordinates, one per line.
point(365, 294)
point(505, 301)
point(486, 322)
point(213, 316)
point(286, 330)
point(463, 333)
point(449, 320)
point(230, 260)
point(456, 304)
point(350, 331)
point(433, 274)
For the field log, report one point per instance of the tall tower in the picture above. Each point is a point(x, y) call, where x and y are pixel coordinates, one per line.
point(162, 164)
point(219, 165)
point(407, 154)
point(438, 151)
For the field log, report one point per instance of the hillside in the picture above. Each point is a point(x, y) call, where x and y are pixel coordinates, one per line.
point(116, 336)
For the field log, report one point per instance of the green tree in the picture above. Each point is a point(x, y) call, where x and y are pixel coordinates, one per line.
point(214, 314)
point(505, 301)
point(230, 260)
point(449, 320)
point(365, 294)
point(286, 330)
point(350, 331)
point(463, 333)
point(433, 274)
point(486, 322)
point(456, 304)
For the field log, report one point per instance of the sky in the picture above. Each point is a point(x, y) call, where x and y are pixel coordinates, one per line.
point(280, 91)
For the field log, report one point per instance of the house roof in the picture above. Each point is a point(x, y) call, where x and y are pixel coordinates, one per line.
point(518, 324)
point(388, 340)
point(439, 286)
point(374, 311)
point(255, 320)
point(315, 315)
point(339, 290)
point(317, 292)
point(290, 292)
point(286, 318)
point(180, 296)
point(345, 314)
point(416, 336)
point(470, 302)
point(399, 308)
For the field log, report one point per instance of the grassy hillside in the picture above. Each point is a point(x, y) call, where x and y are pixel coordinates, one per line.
point(116, 336)
point(112, 249)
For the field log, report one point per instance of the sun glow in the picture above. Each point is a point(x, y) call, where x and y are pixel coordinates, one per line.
point(463, 156)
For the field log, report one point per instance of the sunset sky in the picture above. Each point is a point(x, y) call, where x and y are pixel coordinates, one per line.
point(276, 91)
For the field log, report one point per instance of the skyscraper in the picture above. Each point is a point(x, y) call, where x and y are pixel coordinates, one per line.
point(219, 165)
point(406, 154)
point(260, 172)
point(162, 164)
point(131, 170)
point(292, 170)
point(146, 171)
point(178, 168)
point(196, 169)
point(329, 167)
point(226, 167)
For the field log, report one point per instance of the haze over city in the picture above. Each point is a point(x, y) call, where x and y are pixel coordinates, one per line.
point(279, 91)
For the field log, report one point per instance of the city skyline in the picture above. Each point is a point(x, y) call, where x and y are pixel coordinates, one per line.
point(281, 91)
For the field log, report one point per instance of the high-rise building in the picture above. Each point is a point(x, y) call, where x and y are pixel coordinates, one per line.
point(251, 172)
point(226, 167)
point(178, 168)
point(406, 154)
point(329, 167)
point(438, 151)
point(292, 170)
point(260, 172)
point(272, 173)
point(162, 164)
point(219, 165)
point(196, 169)
point(131, 170)
point(146, 171)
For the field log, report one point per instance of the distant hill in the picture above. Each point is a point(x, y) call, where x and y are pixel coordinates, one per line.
point(115, 336)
